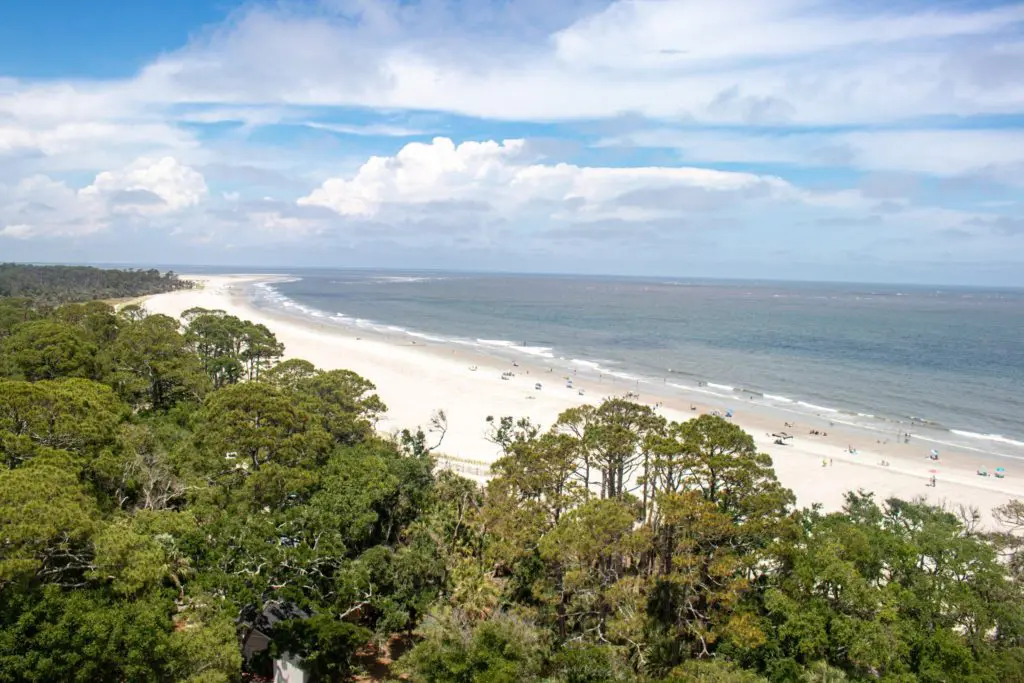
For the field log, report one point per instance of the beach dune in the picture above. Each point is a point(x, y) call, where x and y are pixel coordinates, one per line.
point(415, 379)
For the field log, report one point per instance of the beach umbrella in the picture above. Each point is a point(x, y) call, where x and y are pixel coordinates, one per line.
point(935, 453)
point(1000, 469)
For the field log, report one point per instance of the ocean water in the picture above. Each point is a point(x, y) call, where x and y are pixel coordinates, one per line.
point(945, 363)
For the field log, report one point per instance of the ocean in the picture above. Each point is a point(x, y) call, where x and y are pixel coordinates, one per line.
point(946, 363)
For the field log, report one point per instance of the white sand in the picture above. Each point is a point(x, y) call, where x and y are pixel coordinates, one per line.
point(414, 380)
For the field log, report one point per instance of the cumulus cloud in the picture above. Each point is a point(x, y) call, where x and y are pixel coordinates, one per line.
point(42, 206)
point(764, 88)
point(504, 177)
point(176, 185)
point(39, 205)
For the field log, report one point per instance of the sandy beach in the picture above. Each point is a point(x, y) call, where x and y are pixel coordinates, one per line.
point(415, 378)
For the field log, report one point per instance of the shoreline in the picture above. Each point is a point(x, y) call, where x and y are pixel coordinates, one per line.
point(416, 376)
point(859, 427)
point(669, 383)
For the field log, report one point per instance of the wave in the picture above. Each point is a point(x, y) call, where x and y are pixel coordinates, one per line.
point(998, 438)
point(403, 279)
point(812, 406)
point(539, 351)
point(428, 337)
point(699, 390)
point(932, 432)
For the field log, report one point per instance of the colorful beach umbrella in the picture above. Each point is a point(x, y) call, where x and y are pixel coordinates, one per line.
point(1000, 469)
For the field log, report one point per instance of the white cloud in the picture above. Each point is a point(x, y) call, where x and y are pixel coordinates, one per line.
point(81, 137)
point(847, 81)
point(659, 35)
point(746, 60)
point(41, 206)
point(176, 185)
point(504, 176)
point(943, 152)
point(373, 129)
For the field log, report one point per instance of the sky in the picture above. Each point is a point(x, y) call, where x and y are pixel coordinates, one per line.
point(792, 139)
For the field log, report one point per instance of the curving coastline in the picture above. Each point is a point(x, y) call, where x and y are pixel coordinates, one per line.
point(416, 375)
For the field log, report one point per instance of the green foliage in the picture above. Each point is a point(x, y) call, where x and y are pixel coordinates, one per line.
point(51, 285)
point(45, 349)
point(46, 521)
point(502, 649)
point(587, 664)
point(899, 590)
point(712, 671)
point(253, 424)
point(14, 311)
point(82, 636)
point(152, 367)
point(325, 644)
point(164, 489)
point(344, 402)
point(76, 416)
point(230, 349)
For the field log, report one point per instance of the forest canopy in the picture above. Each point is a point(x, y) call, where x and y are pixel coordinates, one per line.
point(52, 285)
point(178, 502)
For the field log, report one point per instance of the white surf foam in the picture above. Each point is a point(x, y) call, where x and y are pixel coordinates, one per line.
point(538, 351)
point(998, 438)
point(812, 406)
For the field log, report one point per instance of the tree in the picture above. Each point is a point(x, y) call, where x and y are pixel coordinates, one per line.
point(589, 550)
point(253, 424)
point(76, 416)
point(152, 367)
point(325, 644)
point(343, 402)
point(203, 647)
point(898, 590)
point(718, 508)
point(288, 374)
point(13, 312)
point(47, 286)
point(147, 479)
point(229, 348)
point(46, 521)
point(45, 349)
point(612, 445)
point(95, 318)
point(260, 349)
point(711, 671)
point(502, 649)
point(83, 635)
point(1009, 540)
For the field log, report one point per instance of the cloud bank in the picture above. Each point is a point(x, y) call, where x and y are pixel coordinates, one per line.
point(747, 132)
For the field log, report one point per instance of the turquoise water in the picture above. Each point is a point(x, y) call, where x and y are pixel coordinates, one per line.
point(947, 363)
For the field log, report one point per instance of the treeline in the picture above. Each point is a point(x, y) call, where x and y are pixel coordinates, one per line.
point(54, 285)
point(178, 504)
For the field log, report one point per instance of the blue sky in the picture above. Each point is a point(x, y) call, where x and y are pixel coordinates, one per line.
point(761, 138)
